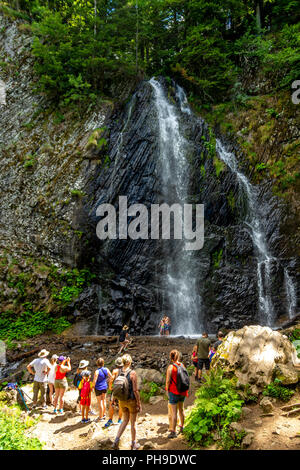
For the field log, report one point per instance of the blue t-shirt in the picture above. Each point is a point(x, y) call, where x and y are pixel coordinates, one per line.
point(101, 383)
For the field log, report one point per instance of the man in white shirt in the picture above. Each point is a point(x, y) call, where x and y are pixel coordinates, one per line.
point(40, 368)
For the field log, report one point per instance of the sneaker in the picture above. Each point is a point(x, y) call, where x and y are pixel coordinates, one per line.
point(172, 435)
point(109, 423)
point(61, 412)
point(55, 411)
point(92, 413)
point(135, 446)
point(180, 429)
point(83, 421)
point(119, 421)
point(88, 420)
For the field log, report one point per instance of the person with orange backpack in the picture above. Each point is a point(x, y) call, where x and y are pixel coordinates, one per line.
point(177, 386)
point(85, 387)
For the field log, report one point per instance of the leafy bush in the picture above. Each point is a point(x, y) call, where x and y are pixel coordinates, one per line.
point(151, 389)
point(12, 431)
point(217, 404)
point(28, 324)
point(277, 390)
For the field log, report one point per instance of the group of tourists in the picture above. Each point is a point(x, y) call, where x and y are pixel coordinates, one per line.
point(203, 352)
point(50, 375)
point(165, 326)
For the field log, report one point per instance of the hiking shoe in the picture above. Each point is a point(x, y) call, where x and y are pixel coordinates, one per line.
point(172, 435)
point(135, 446)
point(109, 423)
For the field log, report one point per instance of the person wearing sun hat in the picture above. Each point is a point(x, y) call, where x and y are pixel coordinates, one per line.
point(40, 367)
point(78, 378)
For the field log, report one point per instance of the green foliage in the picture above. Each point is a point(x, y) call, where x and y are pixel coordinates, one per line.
point(13, 429)
point(75, 280)
point(277, 390)
point(219, 166)
point(77, 193)
point(231, 200)
point(295, 335)
point(150, 389)
point(29, 323)
point(217, 256)
point(296, 343)
point(81, 53)
point(217, 404)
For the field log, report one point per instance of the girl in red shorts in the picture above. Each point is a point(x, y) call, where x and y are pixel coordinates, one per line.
point(85, 387)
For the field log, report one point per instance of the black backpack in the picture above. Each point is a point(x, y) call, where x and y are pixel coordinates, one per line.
point(183, 379)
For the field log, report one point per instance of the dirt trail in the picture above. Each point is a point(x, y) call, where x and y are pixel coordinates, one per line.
point(67, 432)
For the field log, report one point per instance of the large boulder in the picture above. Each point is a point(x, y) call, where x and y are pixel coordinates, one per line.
point(256, 354)
point(149, 375)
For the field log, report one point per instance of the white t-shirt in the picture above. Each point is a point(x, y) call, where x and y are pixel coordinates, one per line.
point(40, 365)
point(51, 375)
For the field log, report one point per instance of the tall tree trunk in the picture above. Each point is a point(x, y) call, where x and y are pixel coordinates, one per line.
point(259, 14)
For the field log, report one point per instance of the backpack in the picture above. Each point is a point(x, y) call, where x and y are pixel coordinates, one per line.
point(121, 386)
point(77, 379)
point(183, 379)
point(86, 390)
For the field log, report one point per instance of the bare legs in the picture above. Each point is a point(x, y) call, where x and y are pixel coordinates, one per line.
point(173, 415)
point(59, 396)
point(102, 404)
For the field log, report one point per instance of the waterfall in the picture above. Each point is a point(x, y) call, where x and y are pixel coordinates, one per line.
point(183, 302)
point(290, 294)
point(264, 258)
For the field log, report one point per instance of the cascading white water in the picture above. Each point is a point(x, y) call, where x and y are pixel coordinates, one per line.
point(264, 258)
point(290, 294)
point(183, 301)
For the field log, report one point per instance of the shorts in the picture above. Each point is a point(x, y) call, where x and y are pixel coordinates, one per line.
point(61, 383)
point(130, 405)
point(203, 362)
point(85, 401)
point(100, 392)
point(174, 399)
point(195, 363)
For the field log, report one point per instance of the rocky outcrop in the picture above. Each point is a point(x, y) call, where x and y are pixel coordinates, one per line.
point(255, 355)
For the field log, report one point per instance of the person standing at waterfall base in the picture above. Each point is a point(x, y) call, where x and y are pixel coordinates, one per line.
point(167, 327)
point(124, 339)
point(114, 402)
point(100, 383)
point(61, 383)
point(176, 396)
point(131, 404)
point(203, 345)
point(85, 388)
point(161, 326)
point(40, 368)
